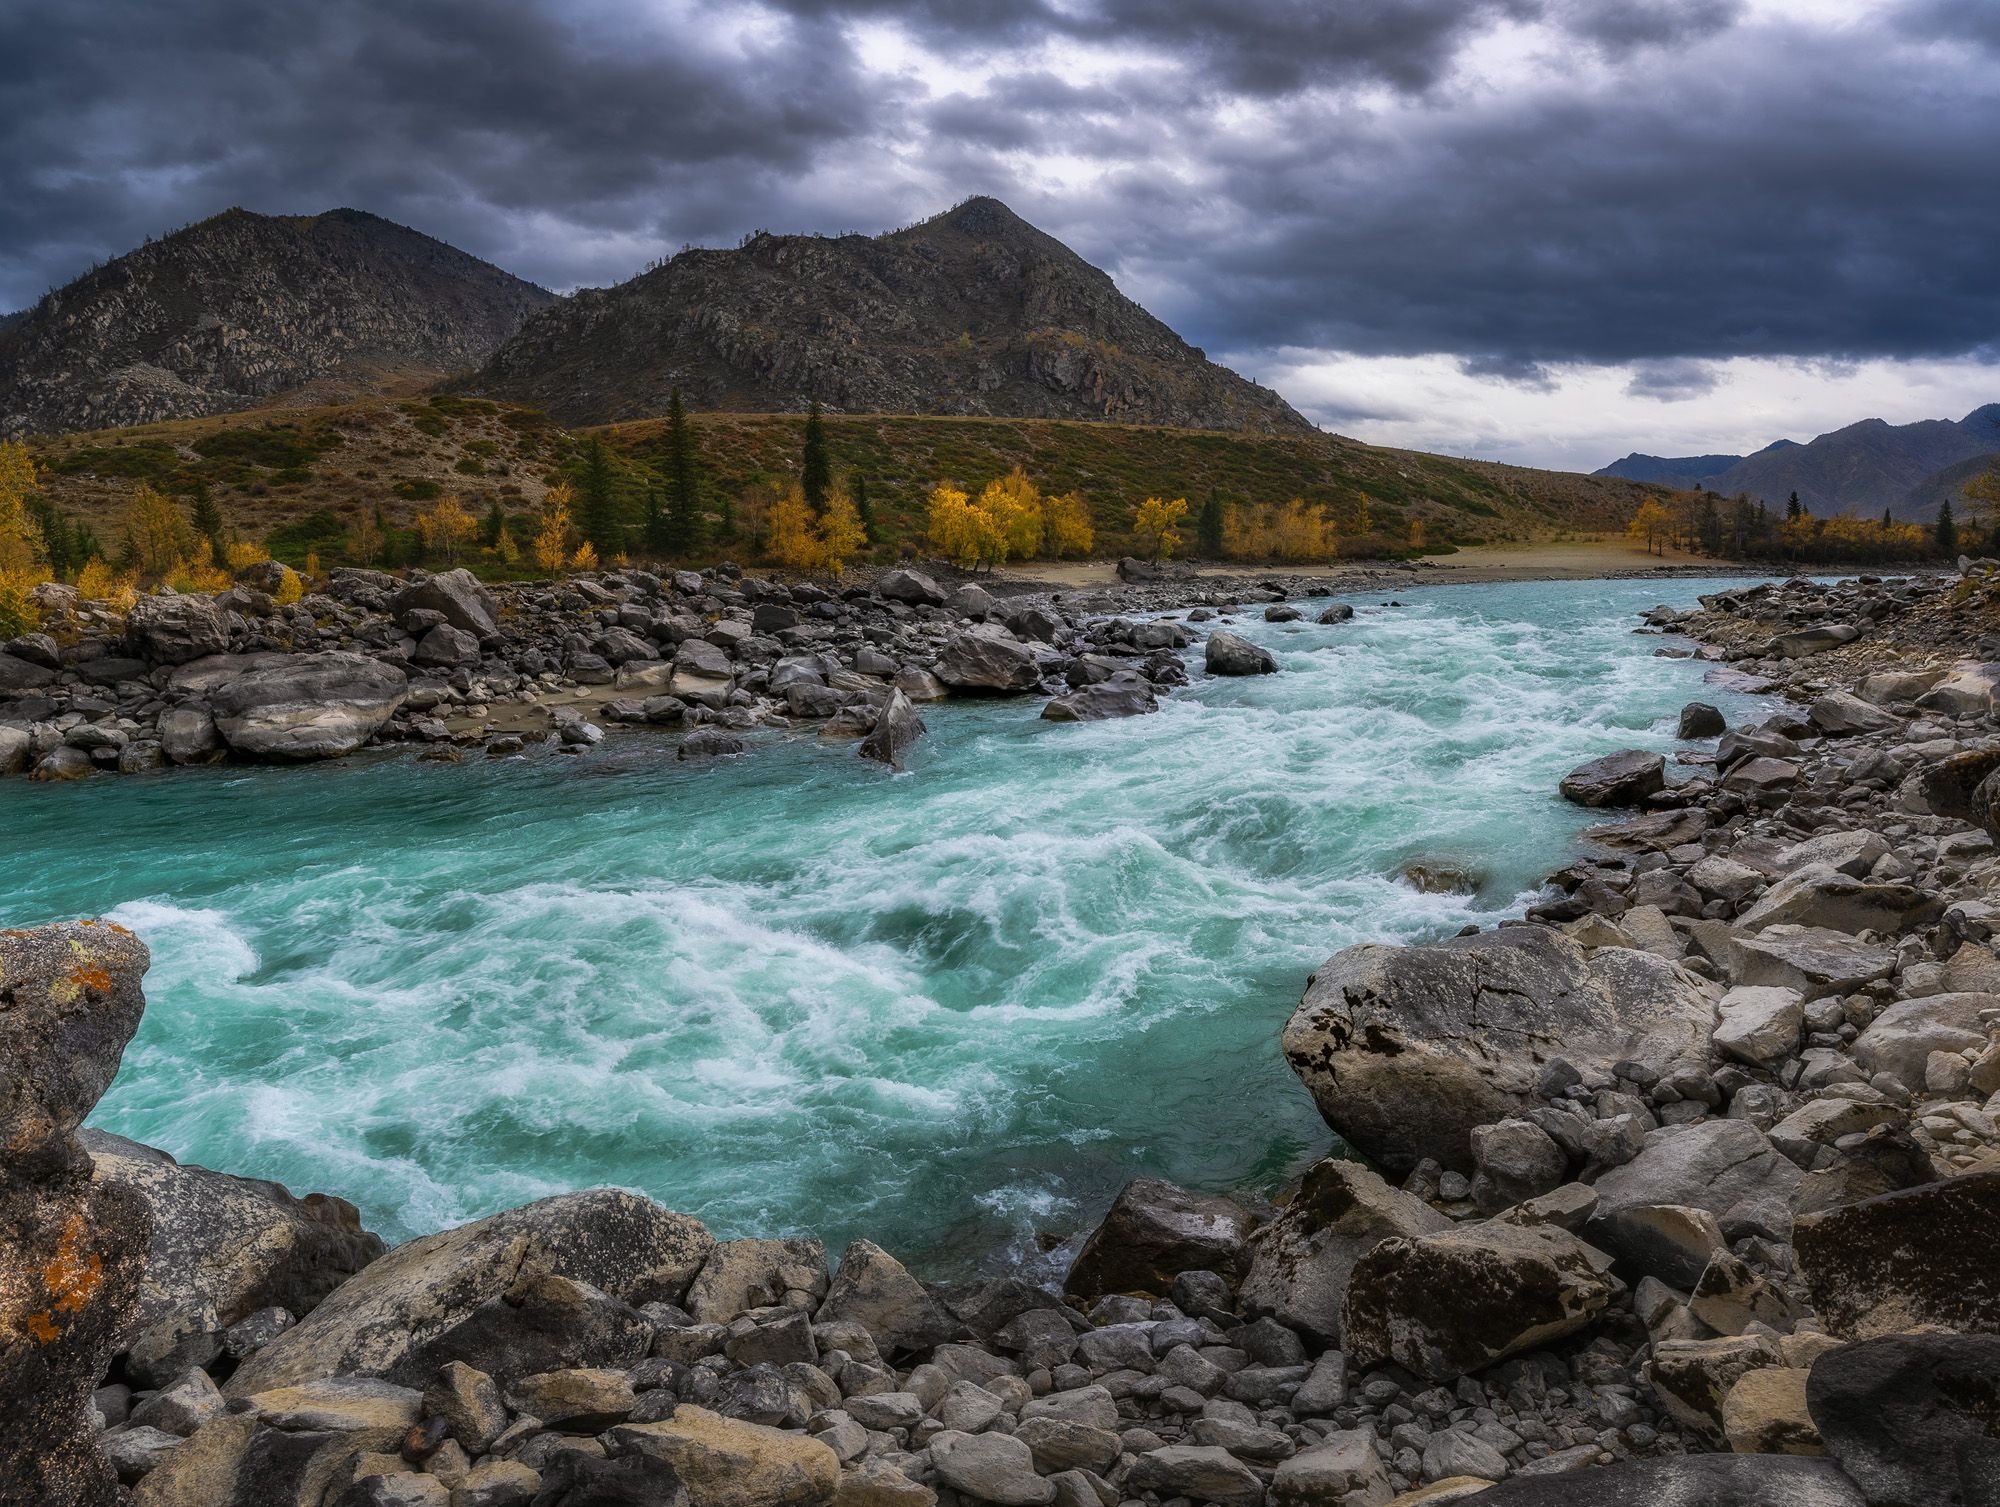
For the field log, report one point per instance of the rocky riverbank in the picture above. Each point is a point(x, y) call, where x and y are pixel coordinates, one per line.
point(1679, 1191)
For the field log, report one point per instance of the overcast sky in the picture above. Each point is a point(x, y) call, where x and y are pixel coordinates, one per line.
point(1547, 231)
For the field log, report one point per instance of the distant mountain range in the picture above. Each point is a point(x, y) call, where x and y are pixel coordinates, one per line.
point(974, 312)
point(1908, 469)
point(241, 308)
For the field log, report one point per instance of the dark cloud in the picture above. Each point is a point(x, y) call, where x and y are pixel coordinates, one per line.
point(1673, 380)
point(1623, 181)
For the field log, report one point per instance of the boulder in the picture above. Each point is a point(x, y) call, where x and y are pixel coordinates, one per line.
point(1806, 642)
point(973, 601)
point(1967, 691)
point(909, 586)
point(16, 749)
point(1821, 896)
point(171, 630)
point(18, 674)
point(1516, 1160)
point(996, 1468)
point(225, 1247)
point(1154, 1231)
point(1902, 1037)
point(1407, 1049)
point(316, 706)
point(896, 728)
point(724, 1462)
point(1839, 714)
point(1672, 1243)
point(873, 1289)
point(1446, 1304)
point(1946, 788)
point(1341, 1471)
point(1727, 1167)
point(628, 1247)
point(1123, 695)
point(1759, 1024)
point(1852, 853)
point(1760, 776)
point(1700, 720)
point(1197, 1472)
point(466, 604)
point(188, 735)
point(988, 659)
point(72, 1251)
point(1765, 1414)
point(743, 1274)
point(1923, 1255)
point(1228, 654)
point(1302, 1264)
point(1913, 1419)
point(446, 648)
point(1685, 1481)
point(1339, 612)
point(698, 659)
point(1810, 959)
point(1692, 1378)
point(1620, 779)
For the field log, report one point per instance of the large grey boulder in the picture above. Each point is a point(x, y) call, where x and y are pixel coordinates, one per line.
point(317, 706)
point(71, 1250)
point(1155, 1230)
point(1902, 1037)
point(875, 1290)
point(1814, 960)
point(171, 630)
point(1231, 654)
point(627, 1247)
point(1841, 714)
point(1300, 1270)
point(1809, 641)
point(1123, 695)
point(988, 659)
point(1819, 895)
point(188, 735)
point(1342, 1470)
point(1920, 1256)
point(1966, 692)
point(1727, 1167)
point(909, 586)
point(1624, 778)
point(896, 728)
point(1406, 1049)
point(1446, 1304)
point(18, 674)
point(1911, 1418)
point(465, 603)
point(224, 1247)
point(1759, 1024)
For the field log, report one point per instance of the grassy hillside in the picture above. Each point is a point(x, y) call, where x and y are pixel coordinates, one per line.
point(300, 477)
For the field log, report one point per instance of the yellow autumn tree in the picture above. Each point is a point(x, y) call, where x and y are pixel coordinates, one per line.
point(445, 527)
point(95, 582)
point(840, 531)
point(789, 536)
point(240, 552)
point(1299, 533)
point(1651, 524)
point(22, 553)
point(1420, 533)
point(1066, 530)
point(552, 539)
point(198, 572)
point(158, 532)
point(957, 528)
point(1013, 507)
point(1155, 522)
point(364, 542)
point(290, 589)
point(585, 557)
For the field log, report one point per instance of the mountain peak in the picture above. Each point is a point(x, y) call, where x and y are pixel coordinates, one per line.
point(973, 311)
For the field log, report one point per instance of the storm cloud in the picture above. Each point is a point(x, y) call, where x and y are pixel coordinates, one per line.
point(1522, 188)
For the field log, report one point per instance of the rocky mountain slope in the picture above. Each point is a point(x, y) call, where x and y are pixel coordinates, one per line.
point(972, 312)
point(1862, 468)
point(240, 308)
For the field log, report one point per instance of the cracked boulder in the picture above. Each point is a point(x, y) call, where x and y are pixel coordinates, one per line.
point(1407, 1049)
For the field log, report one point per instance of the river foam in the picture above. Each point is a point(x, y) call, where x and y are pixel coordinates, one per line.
point(948, 1009)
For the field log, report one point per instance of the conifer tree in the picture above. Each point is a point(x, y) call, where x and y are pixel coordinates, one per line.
point(1208, 526)
point(858, 492)
point(681, 516)
point(815, 469)
point(1793, 507)
point(1947, 531)
point(494, 526)
point(209, 523)
point(597, 512)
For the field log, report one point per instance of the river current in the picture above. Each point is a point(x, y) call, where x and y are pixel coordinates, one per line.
point(950, 1009)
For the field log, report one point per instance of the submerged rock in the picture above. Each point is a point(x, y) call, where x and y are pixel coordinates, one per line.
point(1620, 779)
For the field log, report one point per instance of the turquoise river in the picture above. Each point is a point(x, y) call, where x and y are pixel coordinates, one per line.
point(951, 1009)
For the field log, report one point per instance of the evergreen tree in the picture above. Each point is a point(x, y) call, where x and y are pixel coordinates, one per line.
point(597, 509)
point(494, 526)
point(1708, 527)
point(209, 523)
point(1793, 508)
point(681, 516)
point(725, 527)
point(1208, 526)
point(1886, 519)
point(858, 491)
point(815, 470)
point(655, 530)
point(1947, 531)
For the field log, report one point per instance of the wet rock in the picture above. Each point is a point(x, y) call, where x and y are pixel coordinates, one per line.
point(873, 1289)
point(625, 1246)
point(188, 735)
point(1407, 1049)
point(1912, 1418)
point(988, 660)
point(1921, 1256)
point(71, 1250)
point(1620, 779)
point(1155, 1230)
point(896, 728)
point(1701, 720)
point(1445, 1304)
point(709, 743)
point(225, 1247)
point(1229, 654)
point(1122, 695)
point(316, 706)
